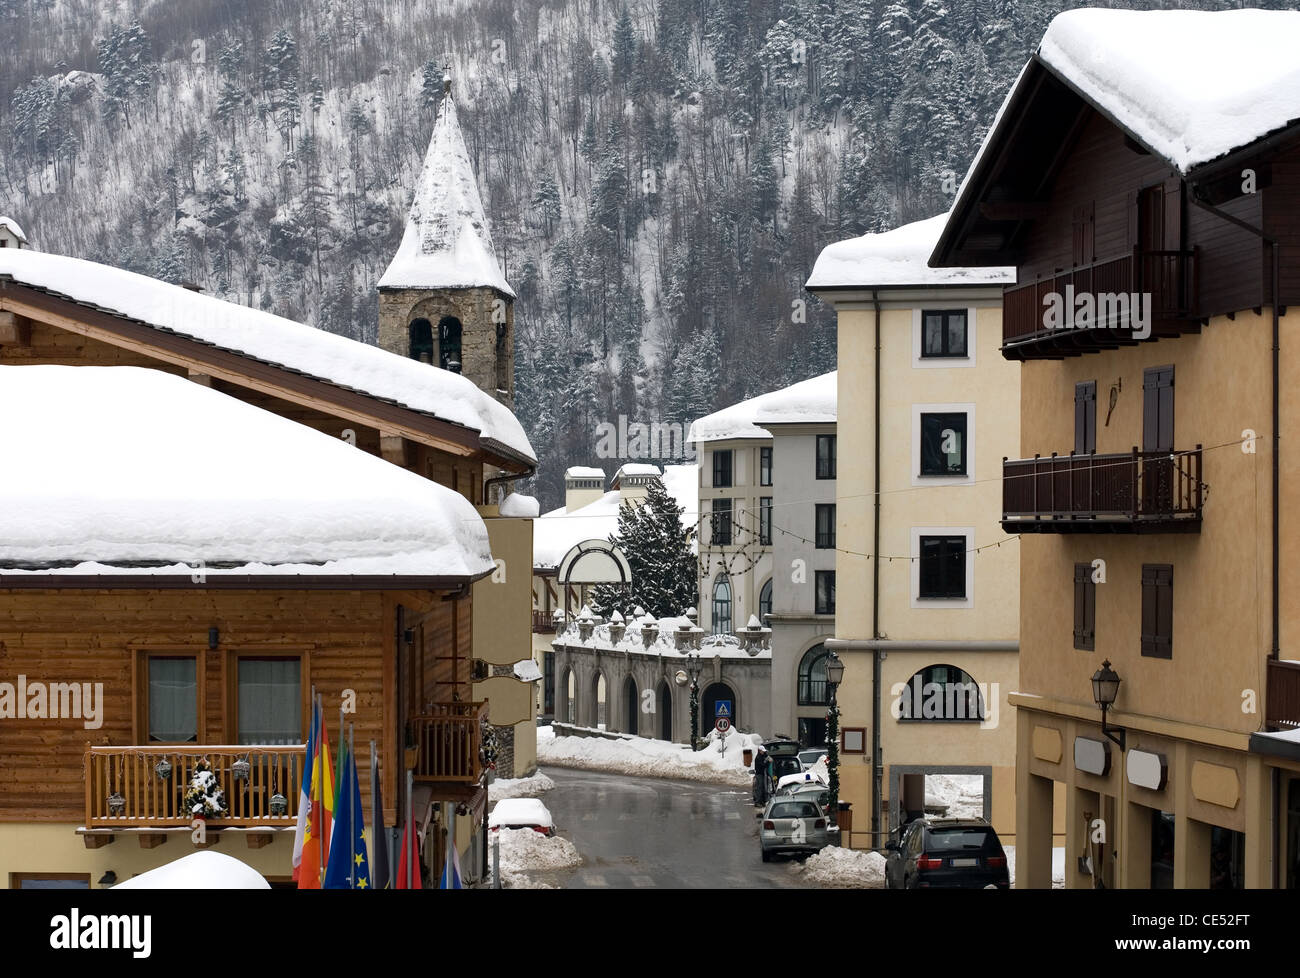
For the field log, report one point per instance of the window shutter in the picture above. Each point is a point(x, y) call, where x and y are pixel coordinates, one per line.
point(1157, 610)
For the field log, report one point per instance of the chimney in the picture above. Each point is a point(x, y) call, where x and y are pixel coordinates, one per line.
point(583, 485)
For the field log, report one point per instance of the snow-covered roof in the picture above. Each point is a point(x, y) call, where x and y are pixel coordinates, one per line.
point(664, 643)
point(335, 359)
point(10, 225)
point(140, 472)
point(635, 469)
point(896, 258)
point(1192, 85)
point(584, 472)
point(205, 870)
point(809, 401)
point(447, 243)
point(556, 532)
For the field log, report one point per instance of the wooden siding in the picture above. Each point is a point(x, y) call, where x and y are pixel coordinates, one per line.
point(1281, 205)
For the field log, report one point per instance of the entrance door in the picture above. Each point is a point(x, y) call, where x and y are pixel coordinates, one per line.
point(665, 713)
point(1158, 440)
point(631, 707)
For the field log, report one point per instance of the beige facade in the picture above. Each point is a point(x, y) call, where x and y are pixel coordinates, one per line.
point(739, 567)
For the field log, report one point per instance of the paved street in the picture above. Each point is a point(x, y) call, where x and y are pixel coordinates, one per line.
point(643, 832)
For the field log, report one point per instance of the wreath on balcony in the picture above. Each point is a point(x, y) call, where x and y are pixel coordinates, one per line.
point(204, 798)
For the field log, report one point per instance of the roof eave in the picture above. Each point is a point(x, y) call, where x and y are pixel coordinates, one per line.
point(238, 582)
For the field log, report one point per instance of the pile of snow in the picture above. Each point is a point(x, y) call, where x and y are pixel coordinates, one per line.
point(527, 671)
point(446, 243)
point(1058, 866)
point(1192, 85)
point(960, 795)
point(895, 258)
point(519, 787)
point(643, 757)
point(518, 505)
point(524, 851)
point(271, 339)
point(521, 810)
point(204, 870)
point(237, 490)
point(844, 868)
point(807, 401)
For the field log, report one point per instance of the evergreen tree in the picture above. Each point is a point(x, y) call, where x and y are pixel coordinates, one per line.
point(658, 549)
point(624, 47)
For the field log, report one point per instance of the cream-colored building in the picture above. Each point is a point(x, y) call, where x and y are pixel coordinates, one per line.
point(926, 619)
point(1153, 489)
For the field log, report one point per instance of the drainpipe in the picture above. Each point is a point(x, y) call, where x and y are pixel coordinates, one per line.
point(508, 477)
point(876, 753)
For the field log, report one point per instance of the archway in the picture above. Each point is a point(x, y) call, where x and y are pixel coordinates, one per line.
point(631, 707)
point(812, 677)
point(420, 340)
point(665, 711)
point(598, 705)
point(941, 693)
point(721, 616)
point(709, 698)
point(449, 334)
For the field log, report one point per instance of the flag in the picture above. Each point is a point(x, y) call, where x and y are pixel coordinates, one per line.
point(316, 843)
point(411, 853)
point(379, 864)
point(304, 794)
point(349, 868)
point(451, 868)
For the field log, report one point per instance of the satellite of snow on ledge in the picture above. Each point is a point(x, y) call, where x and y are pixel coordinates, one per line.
point(446, 243)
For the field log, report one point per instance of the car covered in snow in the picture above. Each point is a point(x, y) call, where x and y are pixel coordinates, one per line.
point(813, 790)
point(811, 756)
point(946, 852)
point(522, 813)
point(792, 825)
point(802, 777)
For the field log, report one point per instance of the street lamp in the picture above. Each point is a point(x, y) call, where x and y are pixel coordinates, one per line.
point(693, 667)
point(834, 675)
point(1105, 687)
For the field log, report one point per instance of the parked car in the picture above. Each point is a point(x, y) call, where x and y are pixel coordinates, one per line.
point(791, 825)
point(811, 756)
point(812, 790)
point(522, 813)
point(801, 777)
point(949, 852)
point(784, 755)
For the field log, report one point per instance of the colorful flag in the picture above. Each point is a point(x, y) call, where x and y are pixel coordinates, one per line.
point(349, 867)
point(379, 864)
point(316, 843)
point(411, 858)
point(304, 794)
point(451, 868)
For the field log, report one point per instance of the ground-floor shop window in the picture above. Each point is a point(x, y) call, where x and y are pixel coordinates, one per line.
point(1162, 850)
point(1227, 859)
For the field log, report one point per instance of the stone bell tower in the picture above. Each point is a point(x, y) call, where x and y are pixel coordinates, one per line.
point(443, 299)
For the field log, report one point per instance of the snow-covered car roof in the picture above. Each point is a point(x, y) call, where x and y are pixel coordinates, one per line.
point(137, 473)
point(520, 811)
point(205, 870)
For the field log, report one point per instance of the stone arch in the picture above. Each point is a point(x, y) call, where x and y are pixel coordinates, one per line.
point(419, 340)
point(664, 710)
point(719, 689)
point(451, 335)
point(631, 705)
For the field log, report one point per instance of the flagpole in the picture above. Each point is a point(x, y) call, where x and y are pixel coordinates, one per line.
point(410, 824)
point(352, 811)
point(320, 821)
point(374, 824)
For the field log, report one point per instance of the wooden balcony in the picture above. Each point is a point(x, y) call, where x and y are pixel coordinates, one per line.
point(1282, 702)
point(125, 791)
point(1141, 492)
point(1169, 276)
point(543, 624)
point(447, 742)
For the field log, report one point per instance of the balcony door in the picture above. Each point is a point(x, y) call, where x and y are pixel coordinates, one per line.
point(1158, 440)
point(1159, 237)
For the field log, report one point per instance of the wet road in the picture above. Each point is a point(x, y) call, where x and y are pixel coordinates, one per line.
point(644, 832)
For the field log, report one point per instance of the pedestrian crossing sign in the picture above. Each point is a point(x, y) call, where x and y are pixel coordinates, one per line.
point(722, 708)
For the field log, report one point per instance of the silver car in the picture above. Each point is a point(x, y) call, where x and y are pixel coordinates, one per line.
point(793, 825)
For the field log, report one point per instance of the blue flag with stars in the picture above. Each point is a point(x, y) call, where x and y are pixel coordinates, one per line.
point(349, 868)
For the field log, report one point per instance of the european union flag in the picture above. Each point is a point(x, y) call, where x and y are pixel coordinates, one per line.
point(349, 867)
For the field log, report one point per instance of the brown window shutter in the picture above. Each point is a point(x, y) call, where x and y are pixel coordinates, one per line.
point(1157, 610)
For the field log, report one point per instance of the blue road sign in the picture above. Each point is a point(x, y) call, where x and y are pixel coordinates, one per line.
point(722, 708)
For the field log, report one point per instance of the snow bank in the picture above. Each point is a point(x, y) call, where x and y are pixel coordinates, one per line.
point(961, 794)
point(204, 870)
point(524, 851)
point(521, 810)
point(1193, 85)
point(844, 868)
point(894, 258)
point(531, 787)
point(1058, 866)
point(446, 243)
point(271, 339)
point(183, 475)
point(807, 401)
point(642, 757)
point(518, 505)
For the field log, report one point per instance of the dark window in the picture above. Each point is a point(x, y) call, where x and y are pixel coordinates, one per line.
point(943, 333)
point(449, 331)
point(943, 567)
point(1085, 608)
point(722, 605)
point(765, 601)
point(722, 469)
point(721, 522)
point(825, 597)
point(765, 466)
point(548, 684)
point(765, 521)
point(1084, 232)
point(1085, 417)
point(1158, 610)
point(825, 526)
point(420, 335)
point(269, 700)
point(826, 456)
point(941, 692)
point(812, 677)
point(943, 444)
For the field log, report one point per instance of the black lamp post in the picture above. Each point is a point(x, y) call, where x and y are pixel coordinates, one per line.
point(834, 675)
point(1105, 687)
point(693, 668)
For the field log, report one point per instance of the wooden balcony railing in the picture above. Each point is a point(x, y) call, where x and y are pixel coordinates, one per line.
point(447, 741)
point(542, 622)
point(1141, 491)
point(1169, 276)
point(125, 790)
point(1282, 703)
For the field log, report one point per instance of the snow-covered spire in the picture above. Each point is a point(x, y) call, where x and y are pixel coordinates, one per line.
point(447, 244)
